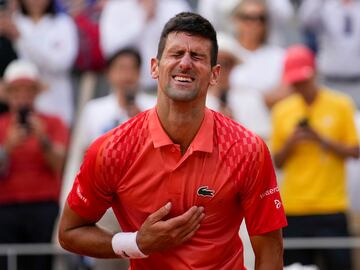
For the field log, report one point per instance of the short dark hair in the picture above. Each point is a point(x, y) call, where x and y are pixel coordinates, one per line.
point(193, 24)
point(50, 9)
point(125, 51)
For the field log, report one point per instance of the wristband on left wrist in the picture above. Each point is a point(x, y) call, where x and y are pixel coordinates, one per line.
point(124, 244)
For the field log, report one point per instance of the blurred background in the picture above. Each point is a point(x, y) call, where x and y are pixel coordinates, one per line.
point(72, 70)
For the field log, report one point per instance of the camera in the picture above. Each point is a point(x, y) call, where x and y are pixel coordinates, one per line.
point(23, 117)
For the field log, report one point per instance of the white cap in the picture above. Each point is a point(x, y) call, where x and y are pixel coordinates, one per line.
point(21, 70)
point(229, 45)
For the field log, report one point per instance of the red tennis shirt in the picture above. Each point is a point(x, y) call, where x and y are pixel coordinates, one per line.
point(136, 169)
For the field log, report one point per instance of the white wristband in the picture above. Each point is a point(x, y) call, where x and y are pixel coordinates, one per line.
point(124, 244)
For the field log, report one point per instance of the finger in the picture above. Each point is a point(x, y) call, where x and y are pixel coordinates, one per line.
point(160, 214)
point(192, 227)
point(190, 234)
point(185, 218)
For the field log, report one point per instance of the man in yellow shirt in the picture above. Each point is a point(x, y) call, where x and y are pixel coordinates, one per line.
point(313, 133)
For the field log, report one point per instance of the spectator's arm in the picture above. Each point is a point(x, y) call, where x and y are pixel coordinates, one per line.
point(268, 249)
point(54, 149)
point(57, 52)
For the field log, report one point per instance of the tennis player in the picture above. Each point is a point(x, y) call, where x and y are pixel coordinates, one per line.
point(179, 177)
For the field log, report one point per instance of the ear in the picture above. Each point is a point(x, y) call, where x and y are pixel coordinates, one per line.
point(154, 68)
point(215, 73)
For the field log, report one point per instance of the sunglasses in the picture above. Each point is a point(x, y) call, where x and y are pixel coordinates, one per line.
point(252, 17)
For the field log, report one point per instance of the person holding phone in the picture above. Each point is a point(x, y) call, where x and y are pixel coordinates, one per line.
point(32, 152)
point(313, 134)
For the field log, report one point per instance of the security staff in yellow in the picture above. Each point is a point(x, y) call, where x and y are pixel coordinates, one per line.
point(313, 134)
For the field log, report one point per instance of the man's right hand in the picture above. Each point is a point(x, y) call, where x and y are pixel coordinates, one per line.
point(156, 234)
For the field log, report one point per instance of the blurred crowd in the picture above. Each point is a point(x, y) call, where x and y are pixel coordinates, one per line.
point(290, 73)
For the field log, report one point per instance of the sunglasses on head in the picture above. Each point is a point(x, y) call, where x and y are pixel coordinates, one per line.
point(252, 17)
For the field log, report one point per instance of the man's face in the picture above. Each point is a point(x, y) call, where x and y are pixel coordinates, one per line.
point(21, 94)
point(184, 71)
point(124, 74)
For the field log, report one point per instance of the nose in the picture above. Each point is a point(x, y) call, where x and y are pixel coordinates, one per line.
point(185, 62)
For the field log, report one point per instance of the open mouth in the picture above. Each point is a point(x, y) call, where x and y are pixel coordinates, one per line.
point(183, 79)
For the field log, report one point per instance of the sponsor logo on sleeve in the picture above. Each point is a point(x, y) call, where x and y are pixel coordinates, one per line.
point(80, 195)
point(277, 204)
point(269, 192)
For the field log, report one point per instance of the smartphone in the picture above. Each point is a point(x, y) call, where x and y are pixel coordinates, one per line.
point(23, 117)
point(303, 123)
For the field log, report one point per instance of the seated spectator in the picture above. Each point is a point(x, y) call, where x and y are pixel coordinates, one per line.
point(336, 24)
point(49, 40)
point(256, 82)
point(144, 20)
point(313, 134)
point(124, 101)
point(216, 98)
point(32, 152)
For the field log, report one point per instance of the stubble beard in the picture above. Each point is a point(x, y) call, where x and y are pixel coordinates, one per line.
point(181, 94)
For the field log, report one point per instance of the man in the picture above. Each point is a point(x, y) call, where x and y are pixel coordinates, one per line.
point(32, 153)
point(313, 134)
point(179, 177)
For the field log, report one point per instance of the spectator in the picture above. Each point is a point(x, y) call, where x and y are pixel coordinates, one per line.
point(32, 151)
point(124, 101)
point(216, 98)
point(336, 24)
point(281, 12)
point(144, 20)
point(50, 41)
point(255, 83)
point(86, 17)
point(313, 134)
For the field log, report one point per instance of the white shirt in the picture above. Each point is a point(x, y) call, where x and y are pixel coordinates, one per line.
point(102, 114)
point(339, 53)
point(260, 71)
point(281, 13)
point(123, 23)
point(51, 44)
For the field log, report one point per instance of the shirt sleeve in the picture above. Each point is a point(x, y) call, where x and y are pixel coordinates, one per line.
point(261, 201)
point(91, 194)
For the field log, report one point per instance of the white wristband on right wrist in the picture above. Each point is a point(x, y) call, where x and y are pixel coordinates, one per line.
point(124, 244)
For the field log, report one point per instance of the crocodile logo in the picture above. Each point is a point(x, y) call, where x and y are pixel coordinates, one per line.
point(205, 192)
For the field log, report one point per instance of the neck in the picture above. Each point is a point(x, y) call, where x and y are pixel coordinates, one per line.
point(181, 121)
point(36, 17)
point(309, 93)
point(249, 43)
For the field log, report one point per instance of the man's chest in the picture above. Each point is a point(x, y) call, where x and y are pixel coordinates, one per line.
point(199, 179)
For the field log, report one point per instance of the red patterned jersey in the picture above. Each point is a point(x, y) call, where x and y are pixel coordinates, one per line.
point(136, 169)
